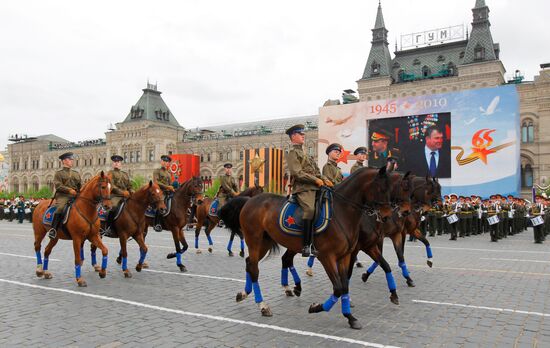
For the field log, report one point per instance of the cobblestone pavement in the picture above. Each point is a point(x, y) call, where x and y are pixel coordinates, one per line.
point(477, 294)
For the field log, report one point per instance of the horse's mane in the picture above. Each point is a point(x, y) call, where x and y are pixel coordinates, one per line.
point(93, 180)
point(352, 176)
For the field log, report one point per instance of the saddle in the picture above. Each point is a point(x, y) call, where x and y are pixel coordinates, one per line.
point(290, 216)
point(152, 212)
point(104, 214)
point(47, 218)
point(214, 206)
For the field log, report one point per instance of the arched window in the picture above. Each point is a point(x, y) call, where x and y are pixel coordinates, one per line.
point(527, 176)
point(452, 69)
point(425, 71)
point(375, 68)
point(479, 52)
point(527, 132)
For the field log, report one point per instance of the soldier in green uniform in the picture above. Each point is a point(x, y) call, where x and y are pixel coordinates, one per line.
point(380, 153)
point(492, 210)
point(331, 171)
point(67, 183)
point(361, 155)
point(121, 188)
point(306, 179)
point(537, 209)
point(228, 185)
point(503, 216)
point(452, 208)
point(434, 215)
point(162, 177)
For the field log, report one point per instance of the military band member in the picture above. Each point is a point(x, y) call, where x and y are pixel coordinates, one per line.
point(121, 188)
point(306, 179)
point(21, 209)
point(452, 208)
point(361, 155)
point(67, 183)
point(434, 216)
point(228, 185)
point(537, 209)
point(492, 210)
point(331, 171)
point(162, 177)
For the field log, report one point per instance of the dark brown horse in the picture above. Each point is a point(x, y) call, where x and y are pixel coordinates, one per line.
point(83, 223)
point(210, 221)
point(258, 218)
point(131, 224)
point(176, 219)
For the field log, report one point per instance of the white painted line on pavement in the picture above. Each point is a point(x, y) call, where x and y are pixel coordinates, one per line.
point(201, 315)
point(482, 270)
point(515, 260)
point(483, 307)
point(17, 235)
point(488, 250)
point(25, 256)
point(194, 275)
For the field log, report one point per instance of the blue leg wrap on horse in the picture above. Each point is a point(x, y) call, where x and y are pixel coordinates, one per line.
point(310, 261)
point(38, 258)
point(429, 252)
point(248, 284)
point(230, 245)
point(372, 267)
point(94, 258)
point(104, 260)
point(77, 271)
point(178, 258)
point(295, 275)
point(346, 307)
point(196, 242)
point(242, 244)
point(45, 266)
point(142, 254)
point(391, 281)
point(329, 303)
point(82, 254)
point(284, 276)
point(209, 240)
point(404, 269)
point(124, 263)
point(257, 292)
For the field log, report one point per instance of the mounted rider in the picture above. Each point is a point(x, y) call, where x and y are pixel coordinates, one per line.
point(67, 183)
point(228, 185)
point(121, 189)
point(361, 154)
point(306, 179)
point(162, 177)
point(331, 170)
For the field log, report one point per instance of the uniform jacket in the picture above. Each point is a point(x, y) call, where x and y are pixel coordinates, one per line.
point(65, 180)
point(332, 172)
point(303, 170)
point(356, 166)
point(162, 178)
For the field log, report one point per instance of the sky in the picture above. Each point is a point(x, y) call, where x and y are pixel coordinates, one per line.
point(71, 68)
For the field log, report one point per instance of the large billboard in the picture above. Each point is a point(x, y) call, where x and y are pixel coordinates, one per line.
point(468, 139)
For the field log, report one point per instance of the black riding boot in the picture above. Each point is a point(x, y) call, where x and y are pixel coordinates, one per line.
point(157, 226)
point(108, 231)
point(52, 233)
point(308, 248)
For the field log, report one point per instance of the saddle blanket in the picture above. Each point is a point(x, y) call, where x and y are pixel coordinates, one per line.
point(151, 212)
point(103, 214)
point(290, 218)
point(47, 218)
point(213, 210)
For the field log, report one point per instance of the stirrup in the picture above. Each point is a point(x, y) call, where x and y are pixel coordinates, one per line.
point(52, 233)
point(313, 251)
point(306, 251)
point(157, 228)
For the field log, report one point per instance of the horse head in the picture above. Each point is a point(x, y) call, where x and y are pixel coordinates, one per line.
point(401, 193)
point(156, 197)
point(101, 190)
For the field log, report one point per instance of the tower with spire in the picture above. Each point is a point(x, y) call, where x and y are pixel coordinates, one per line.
point(480, 43)
point(379, 61)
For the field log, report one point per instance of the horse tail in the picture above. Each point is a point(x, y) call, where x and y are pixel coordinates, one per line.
point(230, 213)
point(274, 249)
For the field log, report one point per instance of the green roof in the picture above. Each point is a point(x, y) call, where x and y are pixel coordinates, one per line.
point(151, 107)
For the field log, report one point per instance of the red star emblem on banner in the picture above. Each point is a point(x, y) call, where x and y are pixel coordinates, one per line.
point(290, 220)
point(344, 156)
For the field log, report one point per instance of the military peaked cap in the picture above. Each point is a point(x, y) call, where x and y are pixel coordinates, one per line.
point(360, 150)
point(333, 146)
point(66, 155)
point(117, 158)
point(228, 165)
point(166, 158)
point(298, 128)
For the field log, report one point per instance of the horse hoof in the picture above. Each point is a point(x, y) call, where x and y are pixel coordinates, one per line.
point(394, 299)
point(97, 268)
point(309, 272)
point(241, 296)
point(365, 277)
point(199, 251)
point(430, 263)
point(39, 273)
point(102, 273)
point(119, 260)
point(127, 274)
point(145, 265)
point(139, 267)
point(315, 308)
point(289, 293)
point(359, 265)
point(410, 283)
point(210, 250)
point(47, 275)
point(266, 311)
point(354, 324)
point(82, 283)
point(241, 253)
point(182, 268)
point(297, 291)
point(171, 256)
point(230, 253)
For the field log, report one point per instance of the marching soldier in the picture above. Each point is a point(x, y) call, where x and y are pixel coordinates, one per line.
point(331, 171)
point(121, 188)
point(503, 217)
point(537, 210)
point(361, 154)
point(162, 177)
point(452, 209)
point(434, 219)
point(67, 183)
point(228, 185)
point(306, 179)
point(21, 209)
point(493, 210)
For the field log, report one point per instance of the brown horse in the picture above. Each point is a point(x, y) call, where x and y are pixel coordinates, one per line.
point(131, 224)
point(258, 218)
point(83, 223)
point(176, 219)
point(210, 221)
